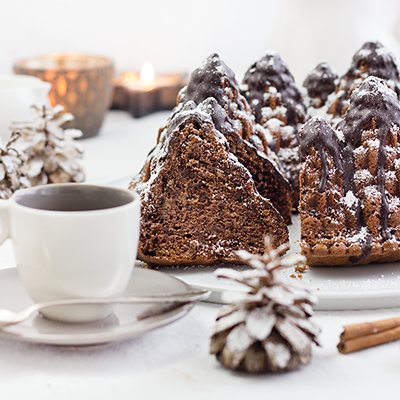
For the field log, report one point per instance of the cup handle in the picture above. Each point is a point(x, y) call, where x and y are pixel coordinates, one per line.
point(4, 219)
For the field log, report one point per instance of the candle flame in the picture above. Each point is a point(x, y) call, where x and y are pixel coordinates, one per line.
point(147, 73)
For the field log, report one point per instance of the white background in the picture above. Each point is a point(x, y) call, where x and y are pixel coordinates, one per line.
point(176, 35)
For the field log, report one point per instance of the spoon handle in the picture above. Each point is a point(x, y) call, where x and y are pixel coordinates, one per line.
point(169, 302)
point(185, 297)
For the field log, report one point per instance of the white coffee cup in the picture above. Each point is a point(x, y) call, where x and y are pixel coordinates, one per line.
point(73, 240)
point(18, 93)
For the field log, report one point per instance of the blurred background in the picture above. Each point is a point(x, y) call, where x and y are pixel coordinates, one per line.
point(176, 35)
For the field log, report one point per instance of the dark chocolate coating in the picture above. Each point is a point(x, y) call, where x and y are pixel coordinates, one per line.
point(317, 132)
point(271, 70)
point(378, 61)
point(205, 82)
point(372, 100)
point(321, 82)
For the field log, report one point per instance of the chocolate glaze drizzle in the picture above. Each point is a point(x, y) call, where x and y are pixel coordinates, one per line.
point(191, 111)
point(321, 82)
point(187, 112)
point(207, 112)
point(372, 100)
point(271, 70)
point(207, 81)
point(317, 132)
point(218, 115)
point(378, 61)
point(206, 87)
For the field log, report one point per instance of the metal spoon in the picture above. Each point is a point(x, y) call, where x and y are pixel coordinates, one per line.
point(8, 317)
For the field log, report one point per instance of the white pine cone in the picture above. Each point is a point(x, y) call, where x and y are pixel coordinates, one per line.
point(11, 178)
point(269, 330)
point(52, 154)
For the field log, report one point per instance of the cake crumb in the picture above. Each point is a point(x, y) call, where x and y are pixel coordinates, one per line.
point(301, 268)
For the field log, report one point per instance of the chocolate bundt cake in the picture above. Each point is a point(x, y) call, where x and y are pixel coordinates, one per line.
point(199, 203)
point(350, 181)
point(373, 59)
point(278, 106)
point(215, 80)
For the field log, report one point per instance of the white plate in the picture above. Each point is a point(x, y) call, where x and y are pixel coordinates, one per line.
point(337, 288)
point(123, 323)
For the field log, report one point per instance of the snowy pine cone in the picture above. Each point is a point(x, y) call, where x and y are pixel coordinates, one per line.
point(269, 330)
point(52, 154)
point(11, 179)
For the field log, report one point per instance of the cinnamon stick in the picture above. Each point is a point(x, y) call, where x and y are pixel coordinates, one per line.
point(368, 334)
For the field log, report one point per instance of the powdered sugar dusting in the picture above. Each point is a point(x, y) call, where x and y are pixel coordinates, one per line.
point(350, 200)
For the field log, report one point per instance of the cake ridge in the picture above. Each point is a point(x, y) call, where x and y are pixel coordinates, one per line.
point(317, 132)
point(363, 156)
point(372, 100)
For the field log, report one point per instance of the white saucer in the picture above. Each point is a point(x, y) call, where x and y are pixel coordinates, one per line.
point(369, 286)
point(122, 324)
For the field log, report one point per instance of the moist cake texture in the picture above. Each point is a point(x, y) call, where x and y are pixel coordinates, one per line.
point(214, 86)
point(199, 203)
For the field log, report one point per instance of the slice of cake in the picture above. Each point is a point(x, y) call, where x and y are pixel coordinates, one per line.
point(278, 106)
point(372, 59)
point(350, 181)
point(199, 204)
point(215, 80)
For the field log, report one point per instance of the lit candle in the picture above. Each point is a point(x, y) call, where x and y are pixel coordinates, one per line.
point(147, 73)
point(144, 93)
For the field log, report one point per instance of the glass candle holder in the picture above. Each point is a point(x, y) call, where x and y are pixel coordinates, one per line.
point(82, 84)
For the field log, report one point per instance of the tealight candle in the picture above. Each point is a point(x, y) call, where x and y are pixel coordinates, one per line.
point(145, 93)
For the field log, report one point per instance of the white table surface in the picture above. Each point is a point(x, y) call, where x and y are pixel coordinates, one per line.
point(173, 362)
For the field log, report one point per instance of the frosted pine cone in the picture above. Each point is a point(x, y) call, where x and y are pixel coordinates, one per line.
point(52, 154)
point(269, 330)
point(11, 179)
